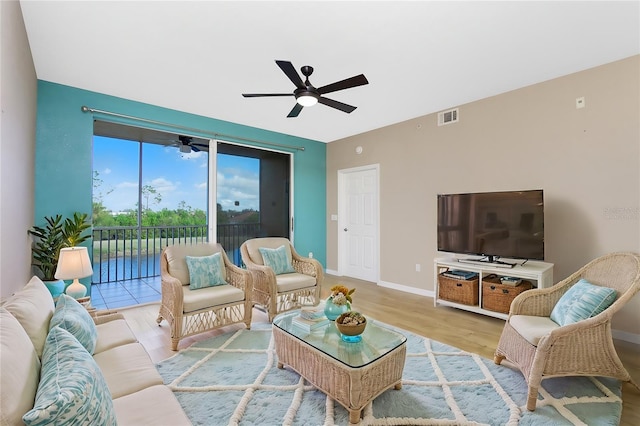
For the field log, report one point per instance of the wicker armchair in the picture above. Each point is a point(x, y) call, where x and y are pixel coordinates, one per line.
point(284, 292)
point(190, 312)
point(541, 349)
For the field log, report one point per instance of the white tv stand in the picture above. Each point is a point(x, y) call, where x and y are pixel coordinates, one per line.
point(496, 264)
point(540, 274)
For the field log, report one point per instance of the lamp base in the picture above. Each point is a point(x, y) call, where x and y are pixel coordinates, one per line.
point(76, 290)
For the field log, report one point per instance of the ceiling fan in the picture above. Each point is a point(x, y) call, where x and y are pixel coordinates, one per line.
point(307, 95)
point(186, 144)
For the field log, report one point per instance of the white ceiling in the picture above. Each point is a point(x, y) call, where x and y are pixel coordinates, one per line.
point(419, 57)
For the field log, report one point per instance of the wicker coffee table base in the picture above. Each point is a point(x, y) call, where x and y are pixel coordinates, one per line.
point(353, 388)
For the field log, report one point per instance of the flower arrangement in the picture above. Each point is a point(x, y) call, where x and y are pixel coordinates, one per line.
point(341, 295)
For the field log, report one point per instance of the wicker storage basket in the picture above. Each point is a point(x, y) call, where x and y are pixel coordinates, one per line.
point(457, 290)
point(498, 297)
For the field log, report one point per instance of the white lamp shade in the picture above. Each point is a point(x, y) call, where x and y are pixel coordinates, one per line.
point(73, 263)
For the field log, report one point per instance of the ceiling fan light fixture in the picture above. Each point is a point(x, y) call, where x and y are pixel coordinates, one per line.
point(185, 149)
point(307, 99)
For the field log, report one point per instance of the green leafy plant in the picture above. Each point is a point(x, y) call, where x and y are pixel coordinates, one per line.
point(56, 234)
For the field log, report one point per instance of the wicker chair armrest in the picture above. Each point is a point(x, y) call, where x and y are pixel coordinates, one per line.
point(534, 302)
point(581, 334)
point(172, 295)
point(264, 279)
point(239, 278)
point(541, 301)
point(104, 317)
point(307, 266)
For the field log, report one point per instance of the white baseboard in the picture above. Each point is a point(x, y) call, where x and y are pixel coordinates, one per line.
point(407, 289)
point(626, 336)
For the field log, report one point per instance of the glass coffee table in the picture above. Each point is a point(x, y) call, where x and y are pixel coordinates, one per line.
point(352, 374)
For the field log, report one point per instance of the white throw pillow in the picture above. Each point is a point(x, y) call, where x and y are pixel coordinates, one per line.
point(33, 307)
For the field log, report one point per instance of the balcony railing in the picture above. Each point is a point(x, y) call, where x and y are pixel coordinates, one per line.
point(131, 252)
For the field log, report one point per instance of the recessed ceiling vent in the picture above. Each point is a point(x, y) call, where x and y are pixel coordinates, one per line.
point(448, 117)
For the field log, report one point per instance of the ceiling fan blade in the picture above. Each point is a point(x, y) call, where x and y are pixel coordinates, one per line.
point(194, 148)
point(290, 71)
point(337, 105)
point(295, 111)
point(355, 81)
point(259, 95)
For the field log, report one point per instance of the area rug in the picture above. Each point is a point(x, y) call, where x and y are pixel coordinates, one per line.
point(233, 379)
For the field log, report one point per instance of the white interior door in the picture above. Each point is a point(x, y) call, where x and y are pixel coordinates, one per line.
point(358, 223)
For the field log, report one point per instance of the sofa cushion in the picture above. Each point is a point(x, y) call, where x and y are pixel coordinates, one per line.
point(532, 328)
point(113, 333)
point(151, 406)
point(253, 247)
point(20, 367)
point(583, 300)
point(205, 271)
point(290, 282)
point(176, 258)
point(33, 307)
point(74, 318)
point(127, 369)
point(277, 259)
point(194, 300)
point(72, 390)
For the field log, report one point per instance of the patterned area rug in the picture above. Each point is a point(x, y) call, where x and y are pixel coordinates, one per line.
point(233, 379)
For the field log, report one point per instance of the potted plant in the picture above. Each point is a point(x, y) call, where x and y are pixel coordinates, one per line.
point(55, 235)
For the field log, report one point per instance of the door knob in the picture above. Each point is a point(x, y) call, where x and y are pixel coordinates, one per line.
point(345, 229)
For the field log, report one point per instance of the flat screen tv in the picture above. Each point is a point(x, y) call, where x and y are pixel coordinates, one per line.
point(493, 225)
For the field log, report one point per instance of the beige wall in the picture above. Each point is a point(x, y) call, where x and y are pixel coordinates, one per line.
point(17, 142)
point(586, 160)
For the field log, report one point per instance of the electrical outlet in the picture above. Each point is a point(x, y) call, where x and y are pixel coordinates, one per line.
point(580, 102)
point(310, 255)
point(417, 267)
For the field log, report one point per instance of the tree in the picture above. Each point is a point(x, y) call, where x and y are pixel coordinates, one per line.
point(147, 191)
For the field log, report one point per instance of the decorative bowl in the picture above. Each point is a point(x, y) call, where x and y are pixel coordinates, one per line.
point(351, 332)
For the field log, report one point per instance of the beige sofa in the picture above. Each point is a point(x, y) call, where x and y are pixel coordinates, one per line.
point(138, 395)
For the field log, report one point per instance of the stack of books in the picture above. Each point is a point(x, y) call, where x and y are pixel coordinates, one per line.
point(312, 312)
point(307, 324)
point(310, 318)
point(512, 281)
point(461, 275)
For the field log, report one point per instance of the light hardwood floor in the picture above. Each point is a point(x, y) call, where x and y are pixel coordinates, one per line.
point(465, 330)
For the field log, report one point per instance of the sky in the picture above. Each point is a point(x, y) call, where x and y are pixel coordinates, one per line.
point(175, 176)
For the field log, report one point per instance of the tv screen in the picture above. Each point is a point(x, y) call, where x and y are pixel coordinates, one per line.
point(506, 224)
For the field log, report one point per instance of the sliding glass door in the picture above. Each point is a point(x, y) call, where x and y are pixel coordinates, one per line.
point(253, 195)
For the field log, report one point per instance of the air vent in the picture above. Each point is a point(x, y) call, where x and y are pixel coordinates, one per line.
point(448, 117)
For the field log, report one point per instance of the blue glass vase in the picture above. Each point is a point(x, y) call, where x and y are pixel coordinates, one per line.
point(333, 311)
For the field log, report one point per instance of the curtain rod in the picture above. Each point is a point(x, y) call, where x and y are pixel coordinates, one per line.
point(220, 136)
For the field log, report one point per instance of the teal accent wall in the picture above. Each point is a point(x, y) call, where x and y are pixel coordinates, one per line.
point(63, 157)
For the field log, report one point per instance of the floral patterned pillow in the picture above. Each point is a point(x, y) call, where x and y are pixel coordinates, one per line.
point(74, 318)
point(72, 389)
point(206, 271)
point(277, 260)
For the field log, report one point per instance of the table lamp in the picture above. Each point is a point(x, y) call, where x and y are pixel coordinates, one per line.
point(74, 263)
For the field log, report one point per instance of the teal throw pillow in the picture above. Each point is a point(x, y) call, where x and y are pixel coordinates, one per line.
point(583, 300)
point(277, 260)
point(74, 318)
point(72, 389)
point(206, 271)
